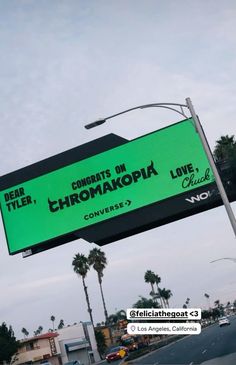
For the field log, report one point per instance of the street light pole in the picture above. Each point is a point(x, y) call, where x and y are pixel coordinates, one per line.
point(189, 106)
point(212, 164)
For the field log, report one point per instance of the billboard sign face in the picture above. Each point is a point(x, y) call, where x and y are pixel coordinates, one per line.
point(147, 170)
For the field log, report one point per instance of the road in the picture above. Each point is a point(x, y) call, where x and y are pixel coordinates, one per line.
point(214, 342)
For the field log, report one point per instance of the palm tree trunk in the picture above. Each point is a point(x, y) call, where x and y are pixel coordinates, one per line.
point(105, 309)
point(103, 300)
point(153, 291)
point(158, 290)
point(164, 302)
point(88, 303)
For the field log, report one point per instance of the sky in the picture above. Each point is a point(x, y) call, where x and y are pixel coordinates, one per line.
point(66, 63)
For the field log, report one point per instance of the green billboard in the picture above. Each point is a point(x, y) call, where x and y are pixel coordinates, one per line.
point(149, 169)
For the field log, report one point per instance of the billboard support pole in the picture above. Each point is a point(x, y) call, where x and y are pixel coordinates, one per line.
point(212, 164)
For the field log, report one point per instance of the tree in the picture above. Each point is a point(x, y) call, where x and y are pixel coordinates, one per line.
point(121, 314)
point(225, 156)
point(98, 261)
point(25, 332)
point(52, 318)
point(38, 331)
point(157, 281)
point(166, 295)
point(219, 306)
point(207, 296)
point(101, 343)
point(146, 303)
point(61, 324)
point(217, 303)
point(215, 313)
point(150, 277)
point(225, 148)
point(187, 302)
point(8, 343)
point(206, 314)
point(114, 318)
point(81, 268)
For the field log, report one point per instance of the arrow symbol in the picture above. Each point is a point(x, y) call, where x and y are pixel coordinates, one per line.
point(128, 202)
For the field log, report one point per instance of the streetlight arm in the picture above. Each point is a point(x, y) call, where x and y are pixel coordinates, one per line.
point(224, 258)
point(168, 107)
point(153, 105)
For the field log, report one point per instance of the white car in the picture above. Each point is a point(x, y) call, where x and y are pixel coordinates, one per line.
point(223, 321)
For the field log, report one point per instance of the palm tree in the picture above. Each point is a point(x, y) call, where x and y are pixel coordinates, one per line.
point(150, 277)
point(217, 303)
point(146, 303)
point(166, 295)
point(207, 296)
point(121, 314)
point(81, 268)
point(25, 332)
point(225, 156)
point(157, 281)
point(187, 301)
point(225, 148)
point(114, 318)
point(61, 324)
point(162, 296)
point(52, 318)
point(40, 329)
point(97, 259)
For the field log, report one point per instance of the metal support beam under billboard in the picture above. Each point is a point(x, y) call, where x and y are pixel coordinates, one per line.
point(199, 129)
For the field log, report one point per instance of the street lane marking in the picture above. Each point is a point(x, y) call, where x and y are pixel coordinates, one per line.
point(203, 352)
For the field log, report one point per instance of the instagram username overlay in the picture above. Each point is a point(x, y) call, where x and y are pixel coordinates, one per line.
point(164, 328)
point(164, 314)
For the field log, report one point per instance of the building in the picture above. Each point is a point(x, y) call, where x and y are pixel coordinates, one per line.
point(78, 342)
point(36, 349)
point(70, 343)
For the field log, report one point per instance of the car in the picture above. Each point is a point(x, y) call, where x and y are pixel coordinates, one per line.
point(116, 353)
point(224, 321)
